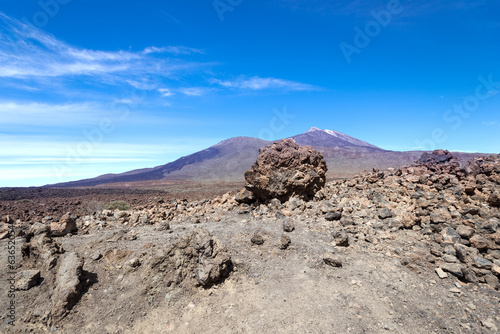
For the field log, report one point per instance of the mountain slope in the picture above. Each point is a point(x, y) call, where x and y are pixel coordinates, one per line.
point(229, 159)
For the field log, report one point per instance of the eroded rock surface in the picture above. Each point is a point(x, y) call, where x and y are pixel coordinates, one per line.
point(285, 169)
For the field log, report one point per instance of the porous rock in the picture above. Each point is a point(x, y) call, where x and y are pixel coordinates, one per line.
point(285, 169)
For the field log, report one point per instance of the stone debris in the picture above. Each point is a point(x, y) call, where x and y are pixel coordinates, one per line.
point(27, 279)
point(285, 241)
point(257, 239)
point(332, 260)
point(441, 273)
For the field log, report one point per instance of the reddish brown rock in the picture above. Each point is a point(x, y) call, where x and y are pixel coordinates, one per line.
point(494, 200)
point(64, 226)
point(285, 169)
point(479, 242)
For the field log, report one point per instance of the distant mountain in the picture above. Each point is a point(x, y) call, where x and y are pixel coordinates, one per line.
point(229, 159)
point(332, 139)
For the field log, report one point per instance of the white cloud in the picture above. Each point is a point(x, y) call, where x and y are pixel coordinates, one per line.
point(27, 53)
point(257, 83)
point(40, 114)
point(194, 91)
point(178, 50)
point(165, 92)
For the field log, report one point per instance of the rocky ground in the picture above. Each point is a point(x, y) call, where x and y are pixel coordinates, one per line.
point(410, 250)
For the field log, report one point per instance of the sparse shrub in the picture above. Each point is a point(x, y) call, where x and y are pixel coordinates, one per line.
point(120, 205)
point(24, 201)
point(92, 206)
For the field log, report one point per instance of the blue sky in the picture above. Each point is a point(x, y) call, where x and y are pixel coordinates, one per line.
point(93, 87)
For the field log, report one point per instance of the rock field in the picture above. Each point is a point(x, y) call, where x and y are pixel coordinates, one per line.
point(409, 250)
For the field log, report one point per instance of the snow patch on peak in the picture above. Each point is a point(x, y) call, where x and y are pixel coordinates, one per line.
point(312, 129)
point(342, 136)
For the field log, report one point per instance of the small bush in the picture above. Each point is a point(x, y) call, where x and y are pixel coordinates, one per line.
point(23, 201)
point(120, 205)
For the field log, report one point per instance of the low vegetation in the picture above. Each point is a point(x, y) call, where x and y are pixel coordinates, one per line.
point(120, 205)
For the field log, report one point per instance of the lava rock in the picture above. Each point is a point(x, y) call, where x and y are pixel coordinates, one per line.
point(479, 242)
point(66, 225)
point(494, 200)
point(332, 260)
point(27, 279)
point(257, 239)
point(288, 226)
point(245, 196)
point(384, 213)
point(285, 169)
point(285, 241)
point(340, 238)
point(449, 235)
point(332, 216)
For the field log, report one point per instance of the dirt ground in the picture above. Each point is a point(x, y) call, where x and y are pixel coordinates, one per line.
point(271, 290)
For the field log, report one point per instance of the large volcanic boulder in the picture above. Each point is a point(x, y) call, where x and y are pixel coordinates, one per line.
point(284, 169)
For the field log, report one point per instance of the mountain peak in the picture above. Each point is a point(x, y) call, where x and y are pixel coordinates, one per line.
point(330, 138)
point(312, 129)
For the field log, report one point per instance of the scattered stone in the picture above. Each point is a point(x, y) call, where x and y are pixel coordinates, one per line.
point(440, 216)
point(257, 239)
point(452, 268)
point(482, 263)
point(27, 279)
point(441, 273)
point(245, 196)
point(96, 256)
point(479, 242)
point(449, 235)
point(132, 235)
point(495, 269)
point(340, 238)
point(66, 225)
point(285, 241)
point(332, 216)
point(288, 226)
point(492, 281)
point(286, 213)
point(285, 169)
point(488, 323)
point(384, 213)
point(469, 276)
point(455, 290)
point(134, 263)
point(332, 260)
point(465, 231)
point(494, 200)
point(487, 227)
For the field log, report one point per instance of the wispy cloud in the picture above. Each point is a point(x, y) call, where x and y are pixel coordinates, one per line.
point(194, 91)
point(257, 83)
point(27, 53)
point(179, 50)
point(43, 114)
